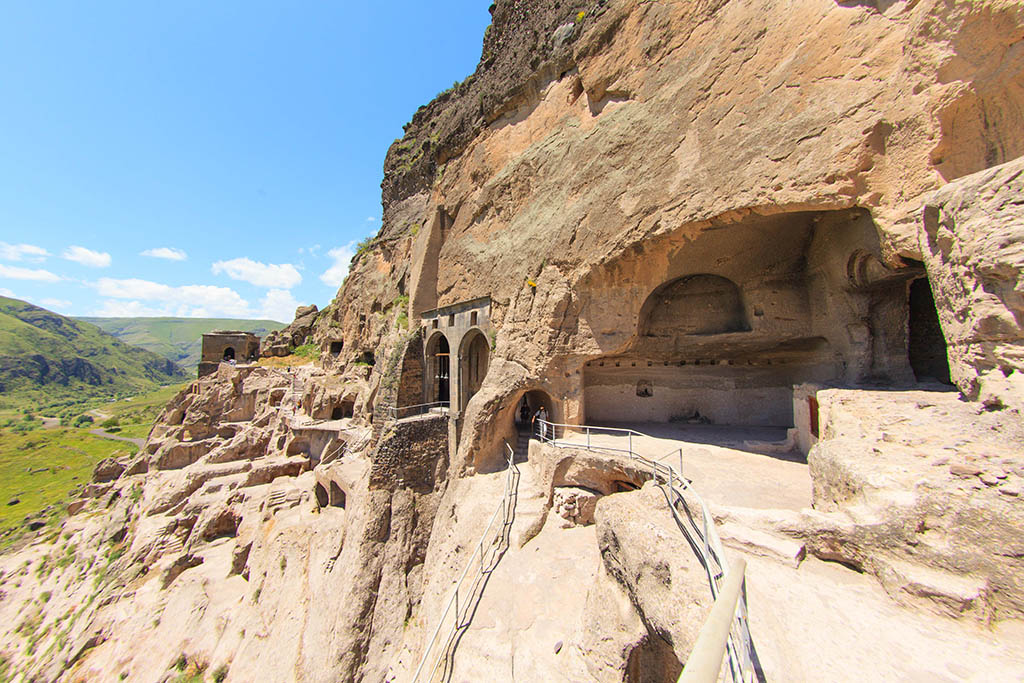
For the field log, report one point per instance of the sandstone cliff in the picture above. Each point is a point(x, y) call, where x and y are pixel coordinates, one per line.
point(660, 213)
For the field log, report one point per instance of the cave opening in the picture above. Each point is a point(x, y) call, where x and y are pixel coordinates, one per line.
point(229, 354)
point(926, 345)
point(320, 492)
point(337, 498)
point(342, 410)
point(732, 318)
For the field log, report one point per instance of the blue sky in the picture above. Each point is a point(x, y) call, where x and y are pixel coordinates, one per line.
point(202, 158)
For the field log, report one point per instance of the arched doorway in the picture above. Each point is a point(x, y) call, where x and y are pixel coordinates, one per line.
point(438, 375)
point(528, 406)
point(229, 354)
point(926, 345)
point(474, 356)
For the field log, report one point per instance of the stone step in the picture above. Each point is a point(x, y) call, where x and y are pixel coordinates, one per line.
point(757, 542)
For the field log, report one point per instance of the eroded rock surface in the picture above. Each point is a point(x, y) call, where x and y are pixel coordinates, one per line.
point(659, 211)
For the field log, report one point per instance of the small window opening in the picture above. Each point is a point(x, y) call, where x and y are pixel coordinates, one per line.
point(812, 406)
point(451, 320)
point(472, 318)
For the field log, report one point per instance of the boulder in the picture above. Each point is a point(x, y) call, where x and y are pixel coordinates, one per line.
point(972, 237)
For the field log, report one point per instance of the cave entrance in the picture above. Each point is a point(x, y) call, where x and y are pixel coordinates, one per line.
point(474, 356)
point(321, 495)
point(337, 496)
point(336, 347)
point(926, 345)
point(229, 354)
point(730, 318)
point(528, 407)
point(438, 370)
point(342, 410)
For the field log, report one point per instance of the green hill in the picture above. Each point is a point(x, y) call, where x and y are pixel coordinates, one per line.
point(176, 339)
point(45, 357)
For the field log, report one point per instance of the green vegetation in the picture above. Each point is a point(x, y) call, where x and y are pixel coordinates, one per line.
point(311, 351)
point(363, 247)
point(41, 467)
point(401, 302)
point(220, 673)
point(53, 365)
point(179, 340)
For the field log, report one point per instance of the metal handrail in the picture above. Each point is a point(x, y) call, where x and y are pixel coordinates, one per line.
point(418, 409)
point(739, 644)
point(705, 661)
point(506, 507)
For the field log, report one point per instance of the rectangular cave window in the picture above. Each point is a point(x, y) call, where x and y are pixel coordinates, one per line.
point(472, 318)
point(336, 347)
point(812, 405)
point(433, 325)
point(451, 320)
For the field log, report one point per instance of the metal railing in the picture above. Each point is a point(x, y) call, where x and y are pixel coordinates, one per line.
point(397, 413)
point(703, 538)
point(458, 612)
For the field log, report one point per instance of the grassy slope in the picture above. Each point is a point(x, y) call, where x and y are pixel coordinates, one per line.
point(135, 415)
point(47, 359)
point(66, 457)
point(177, 339)
point(42, 467)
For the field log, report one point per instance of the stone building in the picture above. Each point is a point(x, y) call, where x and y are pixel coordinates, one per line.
point(223, 346)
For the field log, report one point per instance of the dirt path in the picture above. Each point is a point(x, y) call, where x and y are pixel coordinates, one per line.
point(50, 422)
point(107, 435)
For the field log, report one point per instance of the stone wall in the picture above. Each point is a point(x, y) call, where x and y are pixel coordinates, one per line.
point(413, 454)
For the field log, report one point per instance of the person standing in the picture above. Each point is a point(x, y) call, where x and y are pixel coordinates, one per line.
point(540, 419)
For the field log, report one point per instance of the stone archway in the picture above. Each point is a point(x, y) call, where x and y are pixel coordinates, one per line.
point(474, 357)
point(699, 304)
point(437, 378)
point(229, 353)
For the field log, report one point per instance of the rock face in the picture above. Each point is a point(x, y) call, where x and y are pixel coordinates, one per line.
point(973, 241)
point(640, 211)
point(282, 342)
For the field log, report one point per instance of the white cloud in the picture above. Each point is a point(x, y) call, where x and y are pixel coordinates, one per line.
point(87, 257)
point(370, 219)
point(270, 275)
point(6, 292)
point(22, 252)
point(37, 274)
point(280, 305)
point(130, 309)
point(335, 275)
point(168, 253)
point(189, 301)
point(55, 304)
